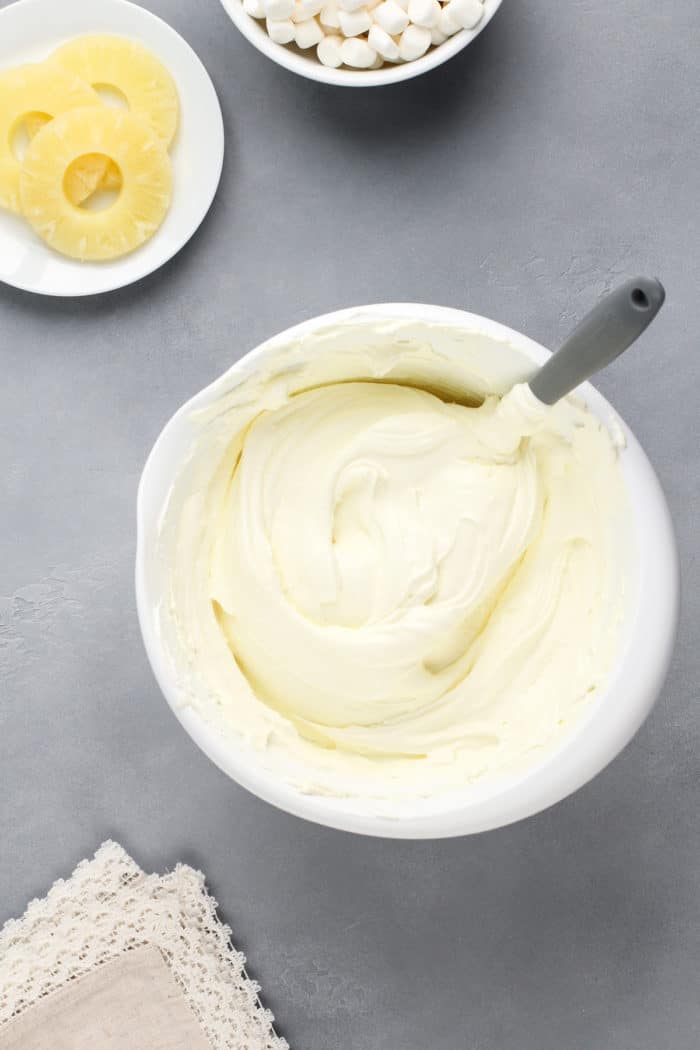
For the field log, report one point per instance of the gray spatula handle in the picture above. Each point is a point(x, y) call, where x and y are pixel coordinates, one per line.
point(604, 333)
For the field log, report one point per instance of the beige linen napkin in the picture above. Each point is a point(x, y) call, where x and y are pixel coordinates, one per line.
point(131, 1002)
point(114, 958)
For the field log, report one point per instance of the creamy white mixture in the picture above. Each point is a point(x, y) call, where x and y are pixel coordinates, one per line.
point(389, 593)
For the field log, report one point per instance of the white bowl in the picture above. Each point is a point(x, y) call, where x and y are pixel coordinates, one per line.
point(600, 734)
point(307, 65)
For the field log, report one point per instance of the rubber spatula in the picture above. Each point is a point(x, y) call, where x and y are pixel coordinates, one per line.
point(611, 326)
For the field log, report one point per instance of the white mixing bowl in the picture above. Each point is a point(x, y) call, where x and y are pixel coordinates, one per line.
point(306, 64)
point(613, 717)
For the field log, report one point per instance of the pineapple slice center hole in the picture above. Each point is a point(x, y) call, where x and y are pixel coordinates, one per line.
point(24, 131)
point(92, 181)
point(111, 96)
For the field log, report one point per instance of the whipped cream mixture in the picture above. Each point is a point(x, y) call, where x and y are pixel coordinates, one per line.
point(391, 593)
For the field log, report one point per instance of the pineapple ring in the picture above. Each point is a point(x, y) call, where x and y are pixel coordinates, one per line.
point(96, 172)
point(93, 172)
point(24, 92)
point(114, 61)
point(145, 193)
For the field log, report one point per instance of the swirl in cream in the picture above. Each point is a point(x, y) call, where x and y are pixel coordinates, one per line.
point(406, 591)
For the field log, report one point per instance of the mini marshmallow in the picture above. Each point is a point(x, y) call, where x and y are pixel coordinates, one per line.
point(392, 18)
point(277, 10)
point(383, 44)
point(357, 52)
point(446, 23)
point(424, 12)
point(306, 9)
point(415, 41)
point(254, 8)
point(281, 30)
point(466, 12)
point(308, 34)
point(329, 52)
point(329, 15)
point(354, 23)
point(374, 31)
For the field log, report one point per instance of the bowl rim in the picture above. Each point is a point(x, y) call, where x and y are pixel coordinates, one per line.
point(599, 735)
point(308, 67)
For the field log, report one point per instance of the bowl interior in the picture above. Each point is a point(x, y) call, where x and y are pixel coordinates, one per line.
point(306, 64)
point(504, 357)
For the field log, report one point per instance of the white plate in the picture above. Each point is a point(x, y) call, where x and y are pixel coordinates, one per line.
point(29, 30)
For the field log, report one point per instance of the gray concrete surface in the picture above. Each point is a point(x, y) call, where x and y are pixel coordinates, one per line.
point(557, 154)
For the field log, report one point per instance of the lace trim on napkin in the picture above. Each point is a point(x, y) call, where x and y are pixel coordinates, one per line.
point(110, 906)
